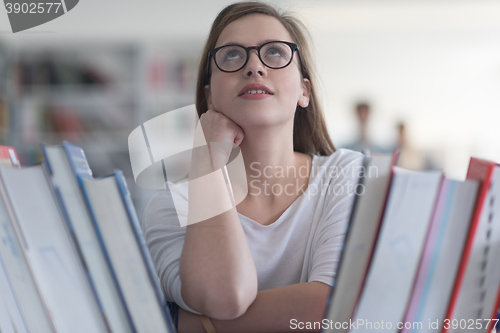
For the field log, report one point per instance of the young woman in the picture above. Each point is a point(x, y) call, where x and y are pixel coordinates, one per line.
point(268, 263)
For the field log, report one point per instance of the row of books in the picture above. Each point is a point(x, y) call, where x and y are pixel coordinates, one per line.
point(164, 73)
point(422, 252)
point(48, 71)
point(72, 256)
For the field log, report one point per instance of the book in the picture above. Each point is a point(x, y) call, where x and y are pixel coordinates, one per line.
point(399, 245)
point(475, 295)
point(5, 320)
point(8, 157)
point(118, 229)
point(441, 256)
point(65, 163)
point(55, 263)
point(25, 307)
point(360, 239)
point(11, 317)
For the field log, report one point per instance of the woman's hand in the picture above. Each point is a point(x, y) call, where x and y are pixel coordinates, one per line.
point(219, 128)
point(221, 135)
point(273, 310)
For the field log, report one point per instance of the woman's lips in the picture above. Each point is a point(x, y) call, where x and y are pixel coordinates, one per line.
point(255, 94)
point(255, 91)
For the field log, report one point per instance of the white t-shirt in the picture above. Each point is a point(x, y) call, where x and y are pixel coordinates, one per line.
point(303, 245)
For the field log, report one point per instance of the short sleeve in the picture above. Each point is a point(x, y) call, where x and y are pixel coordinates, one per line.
point(165, 239)
point(343, 179)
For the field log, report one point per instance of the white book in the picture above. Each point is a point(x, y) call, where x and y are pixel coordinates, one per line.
point(6, 325)
point(17, 275)
point(360, 239)
point(18, 286)
point(399, 246)
point(65, 163)
point(441, 257)
point(118, 230)
point(476, 292)
point(9, 305)
point(55, 262)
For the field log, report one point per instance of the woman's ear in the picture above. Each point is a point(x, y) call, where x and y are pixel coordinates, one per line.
point(208, 96)
point(306, 93)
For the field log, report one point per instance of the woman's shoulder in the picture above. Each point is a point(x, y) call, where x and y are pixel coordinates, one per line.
point(166, 206)
point(340, 158)
point(341, 167)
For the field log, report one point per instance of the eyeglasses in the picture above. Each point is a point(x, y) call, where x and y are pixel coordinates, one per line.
point(232, 58)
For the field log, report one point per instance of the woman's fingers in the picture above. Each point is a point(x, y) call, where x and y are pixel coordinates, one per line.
point(219, 128)
point(221, 135)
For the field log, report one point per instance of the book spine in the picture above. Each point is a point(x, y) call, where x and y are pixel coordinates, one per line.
point(362, 179)
point(380, 219)
point(466, 253)
point(81, 181)
point(75, 157)
point(71, 231)
point(122, 185)
point(77, 160)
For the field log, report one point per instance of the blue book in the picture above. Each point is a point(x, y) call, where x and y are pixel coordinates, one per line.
point(65, 163)
point(118, 229)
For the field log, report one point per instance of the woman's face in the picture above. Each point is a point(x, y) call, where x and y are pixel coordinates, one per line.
point(226, 92)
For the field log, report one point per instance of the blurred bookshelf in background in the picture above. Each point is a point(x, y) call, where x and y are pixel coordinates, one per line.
point(92, 94)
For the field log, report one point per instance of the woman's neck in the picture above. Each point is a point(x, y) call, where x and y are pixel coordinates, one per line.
point(270, 159)
point(268, 147)
point(276, 175)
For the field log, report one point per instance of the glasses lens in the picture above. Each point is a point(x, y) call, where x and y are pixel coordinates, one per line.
point(230, 58)
point(276, 54)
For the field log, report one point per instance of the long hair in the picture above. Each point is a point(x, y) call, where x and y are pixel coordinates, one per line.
point(310, 134)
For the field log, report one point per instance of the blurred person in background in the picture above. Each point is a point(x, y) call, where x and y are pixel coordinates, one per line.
point(363, 142)
point(410, 157)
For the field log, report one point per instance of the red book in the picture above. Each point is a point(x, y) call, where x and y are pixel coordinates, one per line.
point(8, 156)
point(476, 295)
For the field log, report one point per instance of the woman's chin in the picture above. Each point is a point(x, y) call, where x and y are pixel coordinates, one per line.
point(261, 121)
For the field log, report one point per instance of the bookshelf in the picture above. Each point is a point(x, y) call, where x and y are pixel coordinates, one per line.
point(92, 94)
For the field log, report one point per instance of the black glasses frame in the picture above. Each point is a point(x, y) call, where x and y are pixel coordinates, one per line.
point(294, 47)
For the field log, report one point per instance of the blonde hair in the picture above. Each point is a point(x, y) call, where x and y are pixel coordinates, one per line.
point(310, 134)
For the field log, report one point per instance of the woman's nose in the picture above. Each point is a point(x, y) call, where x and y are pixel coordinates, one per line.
point(254, 66)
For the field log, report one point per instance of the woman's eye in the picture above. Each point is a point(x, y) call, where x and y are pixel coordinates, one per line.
point(232, 55)
point(274, 52)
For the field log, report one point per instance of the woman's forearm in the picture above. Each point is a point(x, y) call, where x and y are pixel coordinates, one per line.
point(285, 309)
point(217, 271)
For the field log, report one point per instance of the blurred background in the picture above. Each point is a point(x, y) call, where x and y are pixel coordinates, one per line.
point(420, 75)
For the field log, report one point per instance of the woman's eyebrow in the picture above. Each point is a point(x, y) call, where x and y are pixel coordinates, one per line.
point(260, 43)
